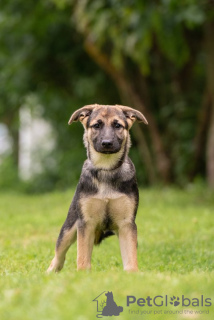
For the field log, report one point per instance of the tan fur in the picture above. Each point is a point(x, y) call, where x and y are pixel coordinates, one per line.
point(85, 242)
point(121, 209)
point(106, 161)
point(128, 247)
point(127, 235)
point(94, 210)
point(118, 207)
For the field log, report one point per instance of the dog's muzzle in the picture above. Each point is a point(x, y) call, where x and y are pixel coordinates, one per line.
point(108, 147)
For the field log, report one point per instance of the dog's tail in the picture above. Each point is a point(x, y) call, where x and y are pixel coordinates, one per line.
point(102, 236)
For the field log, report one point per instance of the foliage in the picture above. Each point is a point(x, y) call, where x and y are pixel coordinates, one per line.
point(175, 253)
point(155, 48)
point(47, 62)
point(130, 29)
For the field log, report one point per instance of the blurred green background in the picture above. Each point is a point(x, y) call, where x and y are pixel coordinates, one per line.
point(58, 55)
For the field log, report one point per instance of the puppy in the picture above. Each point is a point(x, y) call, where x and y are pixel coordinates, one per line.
point(106, 198)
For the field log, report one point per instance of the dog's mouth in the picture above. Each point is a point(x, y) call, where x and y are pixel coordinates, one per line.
point(109, 151)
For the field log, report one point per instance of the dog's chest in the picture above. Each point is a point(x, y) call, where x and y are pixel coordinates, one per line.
point(107, 203)
point(106, 192)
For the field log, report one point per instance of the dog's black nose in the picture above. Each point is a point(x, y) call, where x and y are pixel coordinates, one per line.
point(107, 143)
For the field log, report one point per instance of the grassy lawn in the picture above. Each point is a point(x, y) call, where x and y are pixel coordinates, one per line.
point(175, 254)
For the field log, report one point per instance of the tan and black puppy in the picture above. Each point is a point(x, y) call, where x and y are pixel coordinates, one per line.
point(106, 197)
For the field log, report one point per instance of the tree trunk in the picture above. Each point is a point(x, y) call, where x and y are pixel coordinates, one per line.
point(210, 151)
point(15, 138)
point(11, 120)
point(201, 135)
point(209, 46)
point(144, 153)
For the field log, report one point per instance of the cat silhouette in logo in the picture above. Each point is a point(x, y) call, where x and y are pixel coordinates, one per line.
point(111, 308)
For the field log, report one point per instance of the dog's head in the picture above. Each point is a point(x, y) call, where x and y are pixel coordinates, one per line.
point(106, 127)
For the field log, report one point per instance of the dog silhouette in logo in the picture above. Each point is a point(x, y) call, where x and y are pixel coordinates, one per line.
point(111, 308)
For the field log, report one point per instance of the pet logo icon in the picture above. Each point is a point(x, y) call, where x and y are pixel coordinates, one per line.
point(175, 301)
point(106, 306)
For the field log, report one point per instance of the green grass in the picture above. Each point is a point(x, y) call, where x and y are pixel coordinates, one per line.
point(175, 254)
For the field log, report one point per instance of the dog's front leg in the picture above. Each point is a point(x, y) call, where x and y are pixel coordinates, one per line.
point(128, 246)
point(85, 242)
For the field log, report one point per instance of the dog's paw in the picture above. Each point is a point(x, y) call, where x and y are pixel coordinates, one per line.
point(131, 268)
point(55, 266)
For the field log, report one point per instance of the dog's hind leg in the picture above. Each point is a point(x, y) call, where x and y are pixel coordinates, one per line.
point(65, 240)
point(67, 236)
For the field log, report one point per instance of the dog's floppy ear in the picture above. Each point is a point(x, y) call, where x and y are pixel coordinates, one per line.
point(82, 113)
point(132, 115)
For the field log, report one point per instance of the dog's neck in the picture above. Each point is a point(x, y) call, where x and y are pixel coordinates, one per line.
point(111, 161)
point(103, 161)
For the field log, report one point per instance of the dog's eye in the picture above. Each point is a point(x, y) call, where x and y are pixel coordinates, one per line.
point(96, 125)
point(117, 125)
